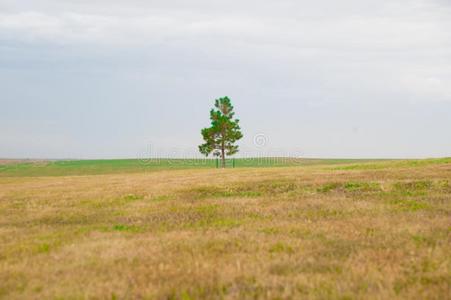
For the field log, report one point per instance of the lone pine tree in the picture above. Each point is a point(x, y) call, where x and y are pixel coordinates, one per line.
point(221, 137)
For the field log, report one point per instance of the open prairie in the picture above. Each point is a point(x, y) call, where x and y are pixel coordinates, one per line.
point(319, 230)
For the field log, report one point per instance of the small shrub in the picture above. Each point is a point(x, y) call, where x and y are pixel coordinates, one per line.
point(409, 205)
point(126, 228)
point(281, 248)
point(328, 187)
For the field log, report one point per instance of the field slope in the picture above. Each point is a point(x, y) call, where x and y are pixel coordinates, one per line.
point(39, 168)
point(319, 230)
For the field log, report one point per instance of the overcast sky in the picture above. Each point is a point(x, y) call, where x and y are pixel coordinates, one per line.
point(325, 78)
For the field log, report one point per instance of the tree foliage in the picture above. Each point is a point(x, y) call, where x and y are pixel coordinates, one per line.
point(224, 132)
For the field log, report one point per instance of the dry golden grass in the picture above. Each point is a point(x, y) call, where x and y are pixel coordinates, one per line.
point(281, 233)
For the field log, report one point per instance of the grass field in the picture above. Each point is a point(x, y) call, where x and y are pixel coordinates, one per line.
point(315, 229)
point(14, 168)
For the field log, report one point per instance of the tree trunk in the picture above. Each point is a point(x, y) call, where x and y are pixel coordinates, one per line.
point(223, 149)
point(223, 157)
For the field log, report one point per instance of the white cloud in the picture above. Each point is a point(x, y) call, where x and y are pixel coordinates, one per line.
point(326, 25)
point(351, 46)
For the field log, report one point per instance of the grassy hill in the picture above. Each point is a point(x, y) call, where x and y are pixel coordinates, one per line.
point(316, 229)
point(97, 167)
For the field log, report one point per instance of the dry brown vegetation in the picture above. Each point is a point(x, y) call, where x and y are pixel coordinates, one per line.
point(275, 233)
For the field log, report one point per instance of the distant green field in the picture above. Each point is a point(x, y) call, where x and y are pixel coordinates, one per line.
point(116, 166)
point(98, 167)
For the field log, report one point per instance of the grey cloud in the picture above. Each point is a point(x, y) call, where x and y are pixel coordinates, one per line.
point(317, 70)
